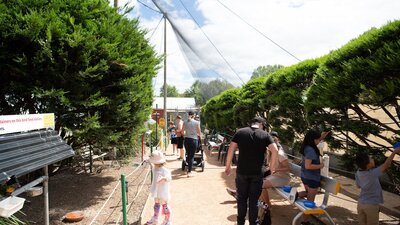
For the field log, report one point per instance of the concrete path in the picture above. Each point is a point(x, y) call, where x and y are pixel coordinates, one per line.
point(203, 200)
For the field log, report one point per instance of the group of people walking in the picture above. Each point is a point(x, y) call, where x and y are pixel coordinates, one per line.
point(256, 147)
point(185, 134)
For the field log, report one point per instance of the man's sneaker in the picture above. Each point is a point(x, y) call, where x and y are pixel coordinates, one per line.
point(153, 220)
point(231, 192)
point(166, 222)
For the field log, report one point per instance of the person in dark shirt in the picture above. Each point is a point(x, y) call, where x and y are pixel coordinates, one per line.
point(174, 140)
point(252, 143)
point(311, 166)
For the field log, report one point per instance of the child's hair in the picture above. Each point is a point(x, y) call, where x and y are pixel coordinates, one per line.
point(309, 140)
point(362, 160)
point(171, 122)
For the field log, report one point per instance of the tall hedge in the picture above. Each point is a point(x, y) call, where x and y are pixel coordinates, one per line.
point(285, 99)
point(355, 82)
point(80, 60)
point(218, 111)
point(249, 104)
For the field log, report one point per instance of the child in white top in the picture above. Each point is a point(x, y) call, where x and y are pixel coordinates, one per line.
point(160, 188)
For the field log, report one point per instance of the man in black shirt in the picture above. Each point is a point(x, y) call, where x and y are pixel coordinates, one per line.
point(252, 143)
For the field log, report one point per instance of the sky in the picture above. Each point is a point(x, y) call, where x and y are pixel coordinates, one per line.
point(231, 38)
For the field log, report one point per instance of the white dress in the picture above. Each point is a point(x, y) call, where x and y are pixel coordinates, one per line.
point(161, 189)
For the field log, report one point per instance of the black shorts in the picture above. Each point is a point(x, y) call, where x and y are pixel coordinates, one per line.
point(174, 141)
point(180, 142)
point(311, 183)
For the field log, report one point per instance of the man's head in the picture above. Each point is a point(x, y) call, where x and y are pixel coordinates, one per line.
point(258, 122)
point(191, 114)
point(275, 136)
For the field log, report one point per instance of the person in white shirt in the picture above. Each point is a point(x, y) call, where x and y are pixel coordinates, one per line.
point(160, 188)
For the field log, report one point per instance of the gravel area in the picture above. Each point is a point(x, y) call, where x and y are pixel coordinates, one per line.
point(88, 193)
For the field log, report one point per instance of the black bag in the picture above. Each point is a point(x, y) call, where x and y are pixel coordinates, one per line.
point(264, 214)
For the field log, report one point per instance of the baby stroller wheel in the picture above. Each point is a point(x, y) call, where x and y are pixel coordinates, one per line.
point(202, 166)
point(183, 165)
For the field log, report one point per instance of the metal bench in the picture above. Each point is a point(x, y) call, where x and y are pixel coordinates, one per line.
point(217, 143)
point(328, 185)
point(88, 157)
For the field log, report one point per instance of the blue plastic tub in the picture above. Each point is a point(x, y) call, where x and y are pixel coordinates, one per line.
point(287, 188)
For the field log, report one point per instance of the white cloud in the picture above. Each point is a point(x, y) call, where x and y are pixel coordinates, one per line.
point(306, 28)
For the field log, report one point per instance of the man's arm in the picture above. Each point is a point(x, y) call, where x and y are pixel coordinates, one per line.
point(183, 130)
point(179, 128)
point(229, 157)
point(198, 130)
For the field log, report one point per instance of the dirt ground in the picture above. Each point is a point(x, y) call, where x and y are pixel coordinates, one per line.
point(97, 195)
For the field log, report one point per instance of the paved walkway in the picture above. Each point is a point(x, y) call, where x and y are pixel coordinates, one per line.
point(202, 199)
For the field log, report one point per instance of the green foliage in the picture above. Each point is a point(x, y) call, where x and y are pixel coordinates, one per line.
point(171, 91)
point(207, 113)
point(356, 92)
point(361, 77)
point(263, 71)
point(80, 60)
point(285, 99)
point(249, 103)
point(353, 90)
point(202, 92)
point(155, 136)
point(218, 112)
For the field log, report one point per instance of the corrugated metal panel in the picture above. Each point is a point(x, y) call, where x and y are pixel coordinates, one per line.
point(26, 152)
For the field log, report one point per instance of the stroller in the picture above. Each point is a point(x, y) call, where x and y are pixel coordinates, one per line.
point(198, 158)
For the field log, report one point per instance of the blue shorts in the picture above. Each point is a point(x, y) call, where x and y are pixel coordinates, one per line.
point(310, 183)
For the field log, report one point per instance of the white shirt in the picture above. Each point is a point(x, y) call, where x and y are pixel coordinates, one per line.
point(161, 189)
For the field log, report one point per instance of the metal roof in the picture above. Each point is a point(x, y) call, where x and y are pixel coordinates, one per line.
point(23, 153)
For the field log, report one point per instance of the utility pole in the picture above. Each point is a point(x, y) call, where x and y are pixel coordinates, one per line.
point(165, 83)
point(115, 3)
point(165, 71)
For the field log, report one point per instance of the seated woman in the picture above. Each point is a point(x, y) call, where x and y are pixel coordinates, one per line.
point(280, 176)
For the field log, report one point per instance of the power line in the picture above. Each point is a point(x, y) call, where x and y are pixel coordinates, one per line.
point(198, 25)
point(182, 44)
point(258, 31)
point(156, 27)
point(184, 41)
point(149, 7)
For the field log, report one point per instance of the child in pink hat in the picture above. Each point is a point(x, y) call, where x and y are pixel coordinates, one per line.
point(160, 188)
